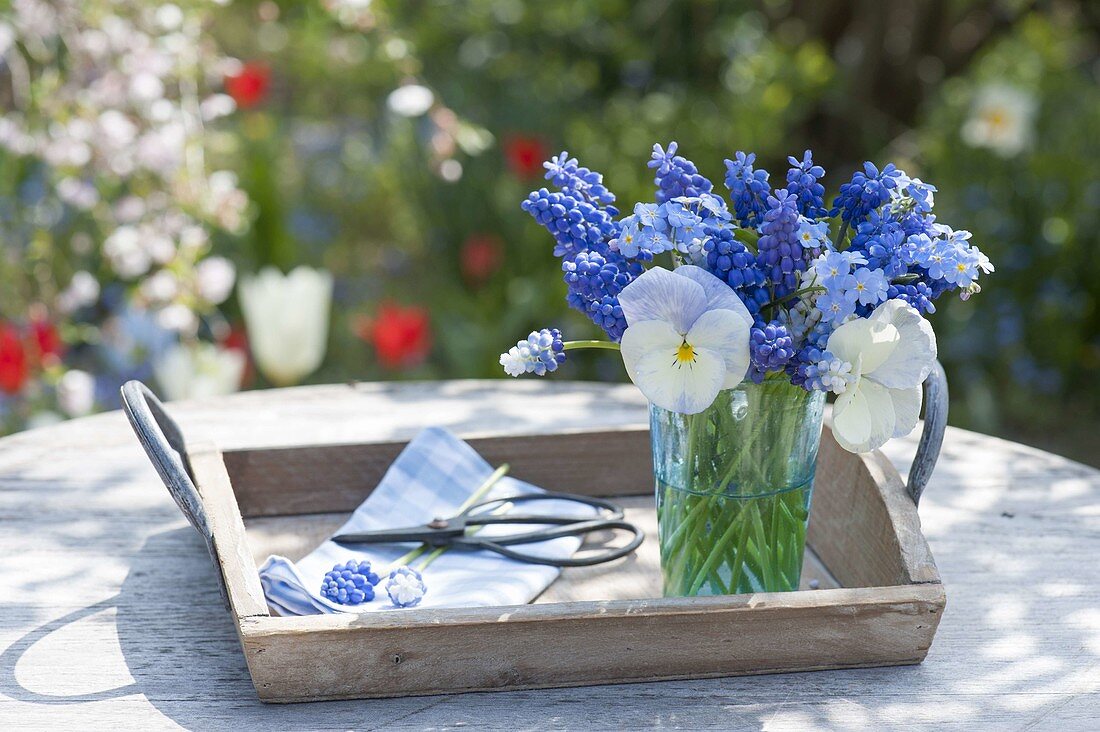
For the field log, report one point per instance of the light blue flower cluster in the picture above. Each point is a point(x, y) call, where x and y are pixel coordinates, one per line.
point(802, 268)
point(406, 587)
point(681, 224)
point(539, 354)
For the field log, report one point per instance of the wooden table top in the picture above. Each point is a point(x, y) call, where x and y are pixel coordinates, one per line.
point(110, 616)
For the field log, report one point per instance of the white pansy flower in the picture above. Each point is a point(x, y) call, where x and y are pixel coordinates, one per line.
point(287, 321)
point(199, 370)
point(1002, 119)
point(891, 354)
point(687, 337)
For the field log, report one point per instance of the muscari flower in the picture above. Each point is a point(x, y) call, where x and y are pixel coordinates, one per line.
point(676, 175)
point(574, 223)
point(891, 353)
point(351, 583)
point(802, 182)
point(770, 348)
point(687, 337)
point(868, 189)
point(779, 251)
point(568, 175)
point(748, 189)
point(406, 587)
point(539, 354)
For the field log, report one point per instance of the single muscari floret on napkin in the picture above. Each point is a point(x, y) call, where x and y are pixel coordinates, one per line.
point(432, 477)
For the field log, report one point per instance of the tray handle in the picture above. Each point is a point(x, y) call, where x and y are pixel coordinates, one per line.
point(162, 441)
point(931, 438)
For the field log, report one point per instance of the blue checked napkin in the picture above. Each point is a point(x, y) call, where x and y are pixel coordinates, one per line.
point(432, 477)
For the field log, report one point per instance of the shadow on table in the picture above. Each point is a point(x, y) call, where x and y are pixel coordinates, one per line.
point(181, 649)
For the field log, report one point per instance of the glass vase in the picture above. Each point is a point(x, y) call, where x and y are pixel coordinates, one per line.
point(734, 484)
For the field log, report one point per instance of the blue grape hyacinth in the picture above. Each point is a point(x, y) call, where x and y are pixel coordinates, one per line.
point(351, 583)
point(748, 188)
point(676, 175)
point(802, 182)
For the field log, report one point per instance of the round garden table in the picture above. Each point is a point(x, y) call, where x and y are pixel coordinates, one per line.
point(101, 627)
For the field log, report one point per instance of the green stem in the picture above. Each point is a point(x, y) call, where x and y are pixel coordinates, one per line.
point(476, 496)
point(606, 345)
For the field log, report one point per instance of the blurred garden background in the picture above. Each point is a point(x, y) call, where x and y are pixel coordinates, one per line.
point(157, 158)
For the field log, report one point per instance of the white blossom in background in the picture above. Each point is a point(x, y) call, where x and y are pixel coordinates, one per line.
point(1002, 118)
point(198, 370)
point(112, 96)
point(410, 100)
point(287, 317)
point(76, 393)
point(215, 277)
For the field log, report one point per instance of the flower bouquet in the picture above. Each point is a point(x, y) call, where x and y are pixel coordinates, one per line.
point(767, 304)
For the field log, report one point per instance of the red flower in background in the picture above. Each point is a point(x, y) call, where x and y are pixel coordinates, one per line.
point(237, 340)
point(524, 155)
point(249, 86)
point(13, 360)
point(45, 340)
point(401, 336)
point(480, 257)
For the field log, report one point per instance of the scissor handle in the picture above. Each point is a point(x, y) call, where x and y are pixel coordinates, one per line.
point(501, 544)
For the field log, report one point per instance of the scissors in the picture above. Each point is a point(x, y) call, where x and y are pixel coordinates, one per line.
point(458, 532)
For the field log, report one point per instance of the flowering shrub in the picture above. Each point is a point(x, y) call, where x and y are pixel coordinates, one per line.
point(113, 207)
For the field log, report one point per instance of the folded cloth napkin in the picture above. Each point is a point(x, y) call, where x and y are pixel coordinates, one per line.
point(432, 477)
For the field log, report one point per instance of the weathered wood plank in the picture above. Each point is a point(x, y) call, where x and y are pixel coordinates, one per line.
point(432, 651)
point(230, 544)
point(269, 482)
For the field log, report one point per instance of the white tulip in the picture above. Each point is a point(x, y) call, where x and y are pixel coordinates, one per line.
point(199, 370)
point(287, 321)
point(891, 353)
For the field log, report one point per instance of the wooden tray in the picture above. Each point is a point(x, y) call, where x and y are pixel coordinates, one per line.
point(877, 602)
